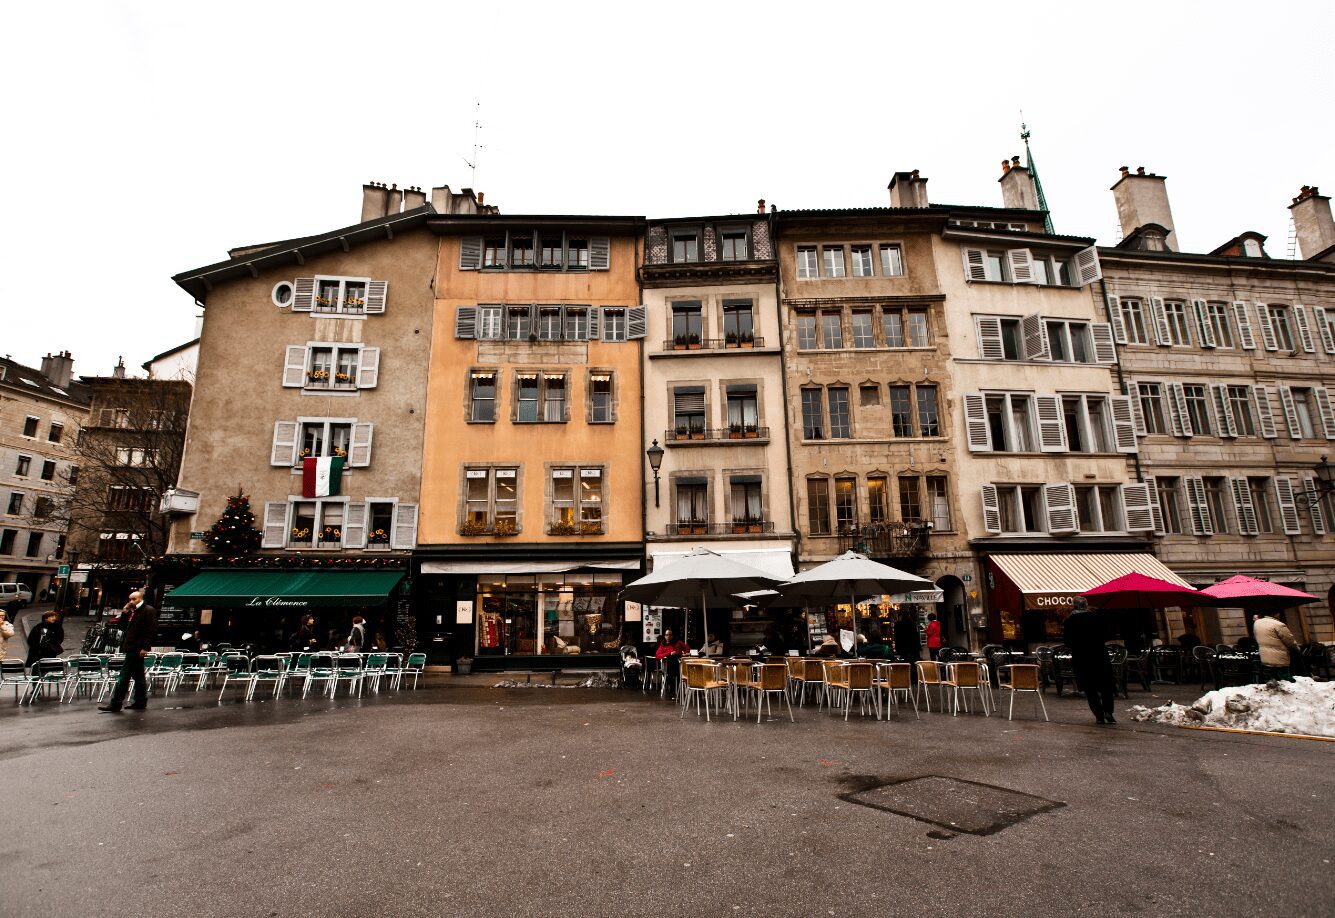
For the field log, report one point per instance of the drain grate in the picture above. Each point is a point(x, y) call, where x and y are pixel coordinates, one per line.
point(953, 804)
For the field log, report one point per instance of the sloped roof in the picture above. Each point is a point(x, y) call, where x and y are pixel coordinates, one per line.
point(28, 381)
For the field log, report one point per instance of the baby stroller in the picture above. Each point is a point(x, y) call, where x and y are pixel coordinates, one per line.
point(632, 667)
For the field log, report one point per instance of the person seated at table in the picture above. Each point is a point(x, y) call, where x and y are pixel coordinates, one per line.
point(828, 647)
point(1188, 640)
point(712, 647)
point(669, 654)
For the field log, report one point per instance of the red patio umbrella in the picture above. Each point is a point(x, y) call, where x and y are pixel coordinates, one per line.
point(1137, 591)
point(1254, 595)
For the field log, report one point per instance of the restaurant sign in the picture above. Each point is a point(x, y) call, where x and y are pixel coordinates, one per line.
point(1061, 602)
point(278, 601)
point(919, 596)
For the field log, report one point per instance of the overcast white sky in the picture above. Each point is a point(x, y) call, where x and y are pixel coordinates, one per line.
point(144, 139)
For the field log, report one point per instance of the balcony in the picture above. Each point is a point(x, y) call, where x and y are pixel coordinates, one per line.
point(705, 528)
point(903, 541)
point(731, 342)
point(696, 436)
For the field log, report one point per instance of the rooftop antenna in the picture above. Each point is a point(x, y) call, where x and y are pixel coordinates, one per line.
point(477, 127)
point(1033, 173)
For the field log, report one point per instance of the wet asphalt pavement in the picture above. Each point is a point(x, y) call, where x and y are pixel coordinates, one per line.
point(461, 799)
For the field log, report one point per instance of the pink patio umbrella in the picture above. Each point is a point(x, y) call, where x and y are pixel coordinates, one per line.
point(1137, 591)
point(1254, 595)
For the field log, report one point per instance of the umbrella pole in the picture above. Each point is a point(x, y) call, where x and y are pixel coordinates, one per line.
point(853, 605)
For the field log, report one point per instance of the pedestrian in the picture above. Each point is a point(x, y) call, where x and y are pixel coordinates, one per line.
point(908, 642)
point(6, 632)
point(140, 621)
point(45, 639)
point(305, 641)
point(933, 636)
point(1085, 635)
point(1275, 640)
point(357, 636)
point(669, 654)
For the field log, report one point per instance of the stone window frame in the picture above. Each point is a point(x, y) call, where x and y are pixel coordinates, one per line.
point(674, 385)
point(542, 376)
point(461, 508)
point(757, 381)
point(805, 513)
point(702, 302)
point(549, 494)
point(676, 477)
point(497, 374)
point(588, 395)
point(754, 472)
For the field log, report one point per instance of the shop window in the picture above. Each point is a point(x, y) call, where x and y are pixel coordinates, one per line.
point(525, 614)
point(818, 506)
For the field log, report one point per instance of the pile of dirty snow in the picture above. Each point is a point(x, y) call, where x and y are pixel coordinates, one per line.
point(596, 680)
point(1301, 706)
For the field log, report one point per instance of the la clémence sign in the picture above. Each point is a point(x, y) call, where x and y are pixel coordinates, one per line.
point(278, 601)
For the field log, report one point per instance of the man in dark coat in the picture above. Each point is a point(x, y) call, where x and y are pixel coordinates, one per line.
point(140, 622)
point(1086, 637)
point(908, 643)
point(45, 638)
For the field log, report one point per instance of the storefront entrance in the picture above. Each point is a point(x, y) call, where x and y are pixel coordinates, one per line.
point(550, 614)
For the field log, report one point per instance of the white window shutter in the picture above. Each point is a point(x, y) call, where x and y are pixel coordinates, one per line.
point(975, 423)
point(303, 294)
point(1124, 424)
point(1137, 412)
point(1035, 338)
point(991, 509)
point(1198, 507)
point(1290, 412)
point(359, 452)
point(1267, 329)
point(1244, 321)
point(1159, 315)
point(1178, 417)
point(1115, 317)
point(405, 527)
point(465, 322)
point(600, 253)
point(1323, 329)
point(1022, 266)
point(368, 368)
point(1087, 269)
point(1314, 506)
point(637, 322)
point(354, 526)
point(1264, 412)
point(1136, 501)
point(1243, 507)
point(1060, 501)
point(1105, 352)
point(470, 253)
point(593, 324)
point(294, 366)
point(1304, 329)
point(1156, 509)
point(1288, 507)
point(376, 291)
point(284, 443)
point(989, 338)
point(1223, 411)
point(1051, 428)
point(975, 264)
point(1203, 322)
point(1323, 408)
point(275, 524)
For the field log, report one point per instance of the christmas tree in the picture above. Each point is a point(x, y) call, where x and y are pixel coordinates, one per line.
point(235, 531)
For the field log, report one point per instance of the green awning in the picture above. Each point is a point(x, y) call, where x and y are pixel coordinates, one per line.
point(280, 590)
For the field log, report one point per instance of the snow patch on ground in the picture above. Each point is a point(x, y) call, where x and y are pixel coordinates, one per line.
point(1301, 706)
point(597, 680)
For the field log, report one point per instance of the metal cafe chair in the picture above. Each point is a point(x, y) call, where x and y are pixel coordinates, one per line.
point(86, 672)
point(237, 671)
point(266, 668)
point(415, 667)
point(700, 680)
point(48, 673)
point(319, 669)
point(1024, 678)
point(929, 675)
point(771, 679)
point(348, 667)
point(894, 678)
point(961, 678)
point(12, 672)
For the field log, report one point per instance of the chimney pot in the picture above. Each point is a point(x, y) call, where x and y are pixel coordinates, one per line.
point(760, 206)
point(1015, 160)
point(1125, 170)
point(1005, 166)
point(1140, 170)
point(481, 196)
point(774, 208)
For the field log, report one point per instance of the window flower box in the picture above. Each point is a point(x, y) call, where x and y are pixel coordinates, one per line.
point(590, 527)
point(505, 528)
point(299, 537)
point(474, 528)
point(563, 528)
point(317, 377)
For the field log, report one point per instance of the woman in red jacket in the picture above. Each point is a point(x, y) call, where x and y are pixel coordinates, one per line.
point(933, 636)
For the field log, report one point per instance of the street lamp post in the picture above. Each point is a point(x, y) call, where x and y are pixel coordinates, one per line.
point(655, 454)
point(1322, 486)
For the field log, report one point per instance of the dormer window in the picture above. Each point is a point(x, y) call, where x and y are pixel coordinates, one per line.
point(685, 247)
point(1252, 249)
point(1152, 241)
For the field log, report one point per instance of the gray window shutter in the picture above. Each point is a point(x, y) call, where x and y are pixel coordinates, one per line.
point(1115, 317)
point(975, 264)
point(1314, 502)
point(284, 443)
point(275, 524)
point(354, 526)
point(1244, 322)
point(1243, 506)
point(1087, 268)
point(1203, 321)
point(1304, 329)
point(1323, 408)
point(1179, 419)
point(376, 292)
point(1288, 507)
point(991, 509)
point(1035, 337)
point(1051, 429)
point(1290, 412)
point(294, 366)
point(1323, 329)
point(593, 324)
point(465, 322)
point(600, 253)
point(1137, 413)
point(1022, 266)
point(1124, 424)
point(989, 338)
point(1159, 318)
point(470, 253)
point(368, 368)
point(405, 527)
point(1156, 509)
point(1197, 507)
point(1267, 329)
point(303, 294)
point(1105, 352)
point(1223, 410)
point(1264, 412)
point(1136, 501)
point(975, 423)
point(359, 451)
point(637, 323)
point(1060, 501)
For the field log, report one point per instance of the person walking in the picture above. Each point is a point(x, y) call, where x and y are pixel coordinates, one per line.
point(45, 639)
point(908, 642)
point(305, 641)
point(1085, 635)
point(1274, 640)
point(357, 636)
point(6, 632)
point(933, 636)
point(140, 621)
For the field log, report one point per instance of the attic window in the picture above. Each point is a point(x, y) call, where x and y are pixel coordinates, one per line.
point(1152, 241)
point(1251, 248)
point(282, 294)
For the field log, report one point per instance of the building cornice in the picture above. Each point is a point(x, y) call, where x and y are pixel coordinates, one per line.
point(708, 272)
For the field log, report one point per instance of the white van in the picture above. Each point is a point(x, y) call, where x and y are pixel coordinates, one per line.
point(14, 596)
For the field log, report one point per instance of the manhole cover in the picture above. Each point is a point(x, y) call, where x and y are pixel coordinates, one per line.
point(954, 804)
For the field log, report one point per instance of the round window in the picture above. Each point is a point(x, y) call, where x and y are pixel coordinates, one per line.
point(282, 293)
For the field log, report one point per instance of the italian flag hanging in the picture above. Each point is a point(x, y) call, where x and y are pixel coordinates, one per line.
point(321, 477)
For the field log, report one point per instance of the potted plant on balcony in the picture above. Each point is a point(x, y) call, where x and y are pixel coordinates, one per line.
point(750, 431)
point(735, 431)
point(505, 527)
point(679, 343)
point(730, 339)
point(301, 535)
point(343, 379)
point(331, 536)
point(693, 342)
point(697, 433)
point(354, 303)
point(377, 539)
point(317, 377)
point(473, 528)
point(746, 339)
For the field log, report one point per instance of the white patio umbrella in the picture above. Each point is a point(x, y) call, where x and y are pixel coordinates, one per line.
point(849, 576)
point(702, 573)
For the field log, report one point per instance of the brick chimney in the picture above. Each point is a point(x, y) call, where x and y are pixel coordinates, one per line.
point(58, 368)
point(908, 189)
point(1142, 197)
point(375, 201)
point(1017, 186)
point(1312, 221)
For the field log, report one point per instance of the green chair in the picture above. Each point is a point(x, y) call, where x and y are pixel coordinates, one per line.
point(415, 667)
point(266, 668)
point(236, 670)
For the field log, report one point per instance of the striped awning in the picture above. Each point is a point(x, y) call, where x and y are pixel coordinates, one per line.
point(1053, 581)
